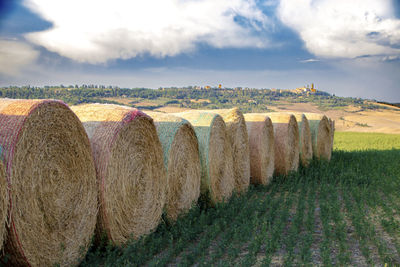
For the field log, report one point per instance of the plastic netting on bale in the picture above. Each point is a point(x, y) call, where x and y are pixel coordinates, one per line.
point(217, 181)
point(130, 170)
point(286, 136)
point(51, 180)
point(321, 135)
point(182, 161)
point(238, 138)
point(305, 143)
point(3, 200)
point(262, 151)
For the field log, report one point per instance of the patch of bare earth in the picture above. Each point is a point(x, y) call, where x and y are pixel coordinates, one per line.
point(389, 240)
point(121, 100)
point(356, 256)
point(318, 236)
point(172, 109)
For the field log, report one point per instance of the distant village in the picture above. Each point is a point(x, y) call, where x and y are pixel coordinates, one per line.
point(305, 90)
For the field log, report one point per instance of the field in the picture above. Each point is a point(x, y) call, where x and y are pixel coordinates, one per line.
point(345, 212)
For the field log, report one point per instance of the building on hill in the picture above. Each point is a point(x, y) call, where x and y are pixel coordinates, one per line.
point(305, 89)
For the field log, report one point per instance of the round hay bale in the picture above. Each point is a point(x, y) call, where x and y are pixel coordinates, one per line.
point(305, 144)
point(321, 135)
point(239, 140)
point(286, 136)
point(52, 183)
point(261, 143)
point(181, 160)
point(332, 124)
point(130, 170)
point(3, 201)
point(217, 181)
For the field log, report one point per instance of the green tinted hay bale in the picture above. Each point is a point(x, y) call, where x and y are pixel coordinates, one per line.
point(130, 170)
point(261, 143)
point(321, 135)
point(305, 143)
point(3, 200)
point(52, 183)
point(238, 138)
point(286, 136)
point(182, 161)
point(217, 181)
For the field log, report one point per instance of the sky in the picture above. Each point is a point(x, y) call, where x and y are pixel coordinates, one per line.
point(346, 48)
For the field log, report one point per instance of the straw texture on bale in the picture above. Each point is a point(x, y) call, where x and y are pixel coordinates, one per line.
point(130, 170)
point(51, 180)
point(332, 124)
point(182, 162)
point(305, 143)
point(3, 200)
point(286, 136)
point(321, 135)
point(262, 150)
point(217, 182)
point(238, 138)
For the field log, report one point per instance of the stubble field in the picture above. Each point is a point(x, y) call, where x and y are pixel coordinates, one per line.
point(345, 212)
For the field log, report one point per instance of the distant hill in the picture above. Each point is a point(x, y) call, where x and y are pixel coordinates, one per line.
point(249, 100)
point(390, 104)
point(350, 114)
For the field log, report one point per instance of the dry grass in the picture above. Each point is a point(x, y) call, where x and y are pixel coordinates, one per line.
point(261, 143)
point(305, 143)
point(182, 161)
point(286, 134)
point(130, 169)
point(217, 182)
point(3, 201)
point(52, 181)
point(321, 135)
point(238, 138)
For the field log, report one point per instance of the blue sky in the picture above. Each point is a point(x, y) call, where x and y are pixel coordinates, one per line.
point(347, 48)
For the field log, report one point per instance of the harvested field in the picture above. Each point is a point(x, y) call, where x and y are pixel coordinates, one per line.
point(340, 212)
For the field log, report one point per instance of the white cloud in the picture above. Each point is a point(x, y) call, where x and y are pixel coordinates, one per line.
point(14, 56)
point(344, 28)
point(96, 31)
point(310, 60)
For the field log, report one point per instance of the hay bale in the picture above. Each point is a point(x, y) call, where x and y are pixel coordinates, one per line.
point(332, 124)
point(286, 136)
point(305, 144)
point(52, 183)
point(261, 144)
point(3, 200)
point(217, 181)
point(130, 170)
point(181, 160)
point(321, 135)
point(238, 138)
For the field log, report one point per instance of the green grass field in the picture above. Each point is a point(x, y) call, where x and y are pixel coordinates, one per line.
point(345, 212)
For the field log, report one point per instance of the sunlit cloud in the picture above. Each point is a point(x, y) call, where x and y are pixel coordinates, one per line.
point(342, 28)
point(97, 31)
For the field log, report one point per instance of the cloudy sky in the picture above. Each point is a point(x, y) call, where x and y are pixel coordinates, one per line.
point(347, 48)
